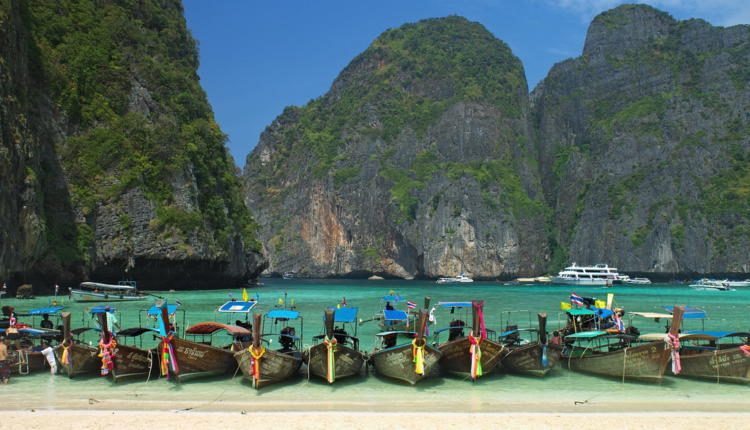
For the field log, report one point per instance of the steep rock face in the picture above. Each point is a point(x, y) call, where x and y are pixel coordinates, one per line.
point(112, 163)
point(643, 143)
point(417, 162)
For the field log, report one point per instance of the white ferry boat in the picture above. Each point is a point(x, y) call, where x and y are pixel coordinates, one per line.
point(597, 275)
point(123, 291)
point(460, 279)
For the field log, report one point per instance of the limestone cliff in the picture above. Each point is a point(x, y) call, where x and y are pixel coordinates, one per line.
point(112, 163)
point(418, 162)
point(643, 143)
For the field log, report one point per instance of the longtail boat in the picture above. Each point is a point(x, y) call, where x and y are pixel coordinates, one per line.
point(535, 357)
point(132, 362)
point(23, 361)
point(76, 358)
point(183, 359)
point(410, 362)
point(619, 355)
point(333, 358)
point(471, 355)
point(391, 319)
point(263, 366)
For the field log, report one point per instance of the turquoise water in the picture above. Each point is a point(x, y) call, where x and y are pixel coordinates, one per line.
point(494, 392)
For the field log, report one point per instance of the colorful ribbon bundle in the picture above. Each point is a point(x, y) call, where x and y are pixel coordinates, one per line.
point(255, 362)
point(107, 353)
point(331, 359)
point(417, 351)
point(673, 342)
point(167, 357)
point(476, 355)
point(745, 349)
point(66, 355)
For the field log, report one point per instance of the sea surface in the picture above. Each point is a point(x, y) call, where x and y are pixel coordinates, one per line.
point(562, 390)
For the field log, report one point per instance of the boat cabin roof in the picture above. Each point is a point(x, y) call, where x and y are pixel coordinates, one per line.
point(207, 328)
point(651, 315)
point(279, 313)
point(100, 286)
point(238, 306)
point(576, 312)
point(156, 310)
point(394, 315)
point(518, 330)
point(690, 312)
point(48, 310)
point(395, 298)
point(586, 334)
point(697, 335)
point(386, 333)
point(345, 314)
point(455, 304)
point(136, 331)
point(102, 309)
point(35, 332)
point(602, 313)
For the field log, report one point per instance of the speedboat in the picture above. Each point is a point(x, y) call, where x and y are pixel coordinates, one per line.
point(711, 284)
point(637, 281)
point(734, 284)
point(124, 291)
point(460, 279)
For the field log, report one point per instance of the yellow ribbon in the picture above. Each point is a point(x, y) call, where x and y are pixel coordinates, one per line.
point(256, 355)
point(331, 359)
point(417, 352)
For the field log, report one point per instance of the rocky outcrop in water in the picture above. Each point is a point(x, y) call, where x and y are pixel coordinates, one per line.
point(111, 161)
point(418, 162)
point(643, 145)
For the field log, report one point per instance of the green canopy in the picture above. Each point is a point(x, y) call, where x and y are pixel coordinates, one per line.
point(586, 334)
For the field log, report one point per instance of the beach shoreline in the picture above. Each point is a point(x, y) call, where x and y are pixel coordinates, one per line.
point(149, 419)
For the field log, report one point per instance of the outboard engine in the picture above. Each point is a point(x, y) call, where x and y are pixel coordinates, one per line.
point(456, 331)
point(287, 343)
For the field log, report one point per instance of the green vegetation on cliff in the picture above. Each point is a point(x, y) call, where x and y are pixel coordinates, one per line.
point(124, 75)
point(406, 79)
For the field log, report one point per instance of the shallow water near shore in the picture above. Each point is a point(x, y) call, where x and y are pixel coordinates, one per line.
point(497, 392)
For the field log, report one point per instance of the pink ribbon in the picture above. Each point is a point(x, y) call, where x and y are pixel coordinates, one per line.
point(745, 349)
point(674, 344)
point(482, 329)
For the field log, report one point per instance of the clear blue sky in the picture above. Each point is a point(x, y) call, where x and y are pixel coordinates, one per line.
point(259, 56)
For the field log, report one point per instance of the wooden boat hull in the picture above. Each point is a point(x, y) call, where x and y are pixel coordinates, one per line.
point(724, 365)
point(31, 361)
point(275, 366)
point(84, 360)
point(134, 363)
point(456, 356)
point(527, 359)
point(348, 361)
point(398, 363)
point(645, 362)
point(197, 360)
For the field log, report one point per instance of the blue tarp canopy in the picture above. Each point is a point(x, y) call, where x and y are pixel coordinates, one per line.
point(345, 315)
point(102, 309)
point(690, 312)
point(393, 299)
point(278, 313)
point(455, 304)
point(156, 310)
point(42, 311)
point(394, 315)
point(602, 313)
point(237, 306)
